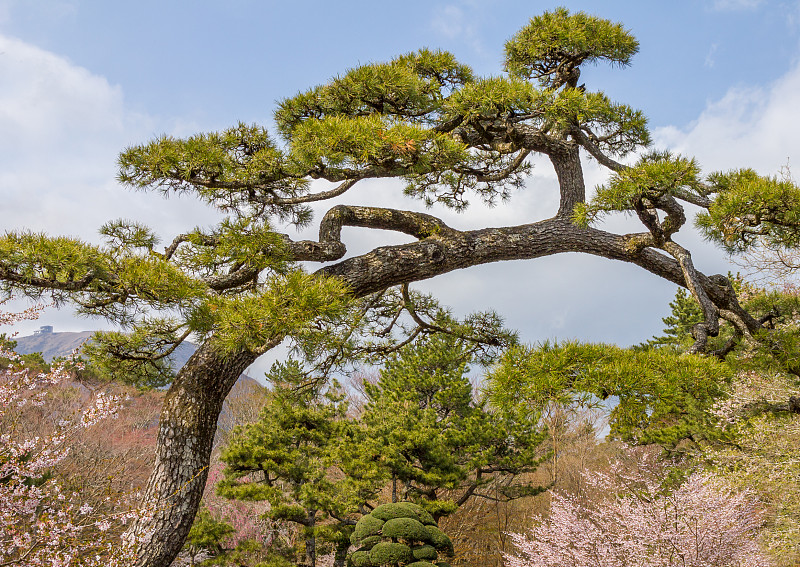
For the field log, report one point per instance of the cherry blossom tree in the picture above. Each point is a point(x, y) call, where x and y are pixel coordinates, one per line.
point(644, 523)
point(42, 523)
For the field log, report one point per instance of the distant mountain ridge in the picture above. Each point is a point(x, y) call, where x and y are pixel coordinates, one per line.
point(53, 345)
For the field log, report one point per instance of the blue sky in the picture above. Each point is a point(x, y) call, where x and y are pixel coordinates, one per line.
point(218, 62)
point(80, 80)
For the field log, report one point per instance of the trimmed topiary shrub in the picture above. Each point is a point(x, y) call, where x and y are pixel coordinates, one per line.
point(399, 534)
point(390, 553)
point(368, 542)
point(367, 526)
point(360, 559)
point(440, 541)
point(403, 510)
point(424, 553)
point(406, 529)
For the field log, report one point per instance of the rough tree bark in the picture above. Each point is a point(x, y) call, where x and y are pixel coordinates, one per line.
point(187, 426)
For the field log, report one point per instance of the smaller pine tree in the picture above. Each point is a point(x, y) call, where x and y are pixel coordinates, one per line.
point(684, 313)
point(207, 536)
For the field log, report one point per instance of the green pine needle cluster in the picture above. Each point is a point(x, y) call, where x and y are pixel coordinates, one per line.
point(749, 207)
point(559, 38)
point(662, 397)
point(655, 175)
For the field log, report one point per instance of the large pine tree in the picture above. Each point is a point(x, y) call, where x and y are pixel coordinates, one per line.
point(423, 118)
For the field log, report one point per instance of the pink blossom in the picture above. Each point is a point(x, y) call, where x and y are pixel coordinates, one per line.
point(701, 523)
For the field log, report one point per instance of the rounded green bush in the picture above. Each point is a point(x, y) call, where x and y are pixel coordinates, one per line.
point(367, 526)
point(408, 529)
point(403, 510)
point(440, 541)
point(395, 510)
point(417, 541)
point(442, 564)
point(369, 542)
point(422, 515)
point(360, 559)
point(424, 552)
point(388, 553)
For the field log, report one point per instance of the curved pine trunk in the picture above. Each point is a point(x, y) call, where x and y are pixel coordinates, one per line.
point(186, 432)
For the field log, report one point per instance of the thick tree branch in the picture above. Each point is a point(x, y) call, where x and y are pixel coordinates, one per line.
point(450, 250)
point(710, 324)
point(418, 225)
point(676, 217)
point(567, 164)
point(693, 198)
point(70, 285)
point(236, 279)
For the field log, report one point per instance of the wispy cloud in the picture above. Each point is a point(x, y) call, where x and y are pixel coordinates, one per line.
point(450, 22)
point(710, 61)
point(43, 11)
point(458, 22)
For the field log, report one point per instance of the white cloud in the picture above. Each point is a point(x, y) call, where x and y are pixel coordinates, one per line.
point(752, 127)
point(457, 22)
point(749, 127)
point(62, 129)
point(450, 21)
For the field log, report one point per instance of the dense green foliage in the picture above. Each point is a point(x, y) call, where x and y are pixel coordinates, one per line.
point(161, 298)
point(207, 534)
point(553, 44)
point(421, 431)
point(395, 534)
point(437, 440)
point(656, 175)
point(661, 397)
point(774, 349)
point(290, 452)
